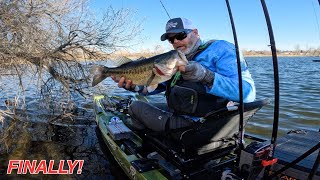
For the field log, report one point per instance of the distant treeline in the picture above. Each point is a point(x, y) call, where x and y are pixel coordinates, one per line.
point(309, 52)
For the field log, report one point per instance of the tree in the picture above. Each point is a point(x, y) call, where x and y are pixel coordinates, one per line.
point(297, 48)
point(52, 36)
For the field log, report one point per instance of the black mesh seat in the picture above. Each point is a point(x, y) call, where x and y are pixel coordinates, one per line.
point(215, 136)
point(219, 131)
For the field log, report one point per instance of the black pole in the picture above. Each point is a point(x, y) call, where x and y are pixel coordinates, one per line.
point(316, 163)
point(239, 78)
point(315, 166)
point(276, 83)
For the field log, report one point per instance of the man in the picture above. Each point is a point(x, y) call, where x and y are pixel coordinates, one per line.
point(212, 69)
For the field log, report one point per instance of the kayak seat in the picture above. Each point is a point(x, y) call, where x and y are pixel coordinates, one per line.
point(218, 131)
point(214, 136)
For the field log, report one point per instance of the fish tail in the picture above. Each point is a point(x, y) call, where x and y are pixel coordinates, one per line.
point(101, 72)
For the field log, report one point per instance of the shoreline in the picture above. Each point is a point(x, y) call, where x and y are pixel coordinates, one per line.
point(279, 55)
point(137, 55)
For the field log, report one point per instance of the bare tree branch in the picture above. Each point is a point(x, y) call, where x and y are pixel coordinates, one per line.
point(56, 36)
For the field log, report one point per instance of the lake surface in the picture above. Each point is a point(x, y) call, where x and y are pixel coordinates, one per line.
point(39, 135)
point(299, 94)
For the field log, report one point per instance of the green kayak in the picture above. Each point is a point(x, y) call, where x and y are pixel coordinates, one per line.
point(208, 150)
point(118, 148)
point(152, 156)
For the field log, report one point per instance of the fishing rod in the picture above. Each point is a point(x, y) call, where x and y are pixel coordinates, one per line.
point(276, 85)
point(167, 11)
point(315, 15)
point(241, 108)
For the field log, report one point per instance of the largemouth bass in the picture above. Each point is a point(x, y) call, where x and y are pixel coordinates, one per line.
point(149, 72)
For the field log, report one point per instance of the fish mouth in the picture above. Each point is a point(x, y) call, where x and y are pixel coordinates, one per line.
point(170, 64)
point(182, 57)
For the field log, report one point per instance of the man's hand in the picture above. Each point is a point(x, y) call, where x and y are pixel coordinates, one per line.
point(128, 84)
point(195, 72)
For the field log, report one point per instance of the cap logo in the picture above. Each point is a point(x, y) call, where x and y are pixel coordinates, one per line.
point(171, 25)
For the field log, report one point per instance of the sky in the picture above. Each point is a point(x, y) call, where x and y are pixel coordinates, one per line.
point(295, 23)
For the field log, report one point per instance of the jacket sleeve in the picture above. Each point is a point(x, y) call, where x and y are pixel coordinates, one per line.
point(223, 62)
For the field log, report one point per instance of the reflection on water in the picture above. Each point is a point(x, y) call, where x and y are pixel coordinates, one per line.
point(73, 140)
point(37, 134)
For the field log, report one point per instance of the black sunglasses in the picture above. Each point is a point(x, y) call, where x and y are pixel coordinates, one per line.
point(179, 36)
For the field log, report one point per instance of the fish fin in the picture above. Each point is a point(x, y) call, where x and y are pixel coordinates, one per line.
point(100, 74)
point(97, 79)
point(121, 60)
point(150, 79)
point(96, 69)
point(151, 88)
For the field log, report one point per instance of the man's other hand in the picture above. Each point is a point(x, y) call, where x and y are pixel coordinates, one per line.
point(195, 72)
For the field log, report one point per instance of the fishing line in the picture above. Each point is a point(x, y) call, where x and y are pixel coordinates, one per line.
point(165, 9)
point(315, 14)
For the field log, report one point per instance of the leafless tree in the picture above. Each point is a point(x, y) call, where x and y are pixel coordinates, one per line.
point(52, 36)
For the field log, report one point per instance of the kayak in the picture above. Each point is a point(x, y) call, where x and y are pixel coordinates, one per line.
point(138, 155)
point(118, 148)
point(199, 152)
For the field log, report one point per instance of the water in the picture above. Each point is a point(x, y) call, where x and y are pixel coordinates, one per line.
point(36, 134)
point(299, 94)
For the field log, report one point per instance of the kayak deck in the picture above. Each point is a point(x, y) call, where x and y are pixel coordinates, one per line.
point(293, 145)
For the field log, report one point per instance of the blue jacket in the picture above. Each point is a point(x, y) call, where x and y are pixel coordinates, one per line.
point(220, 58)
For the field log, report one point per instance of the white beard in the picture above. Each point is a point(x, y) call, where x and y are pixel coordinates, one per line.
point(193, 45)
